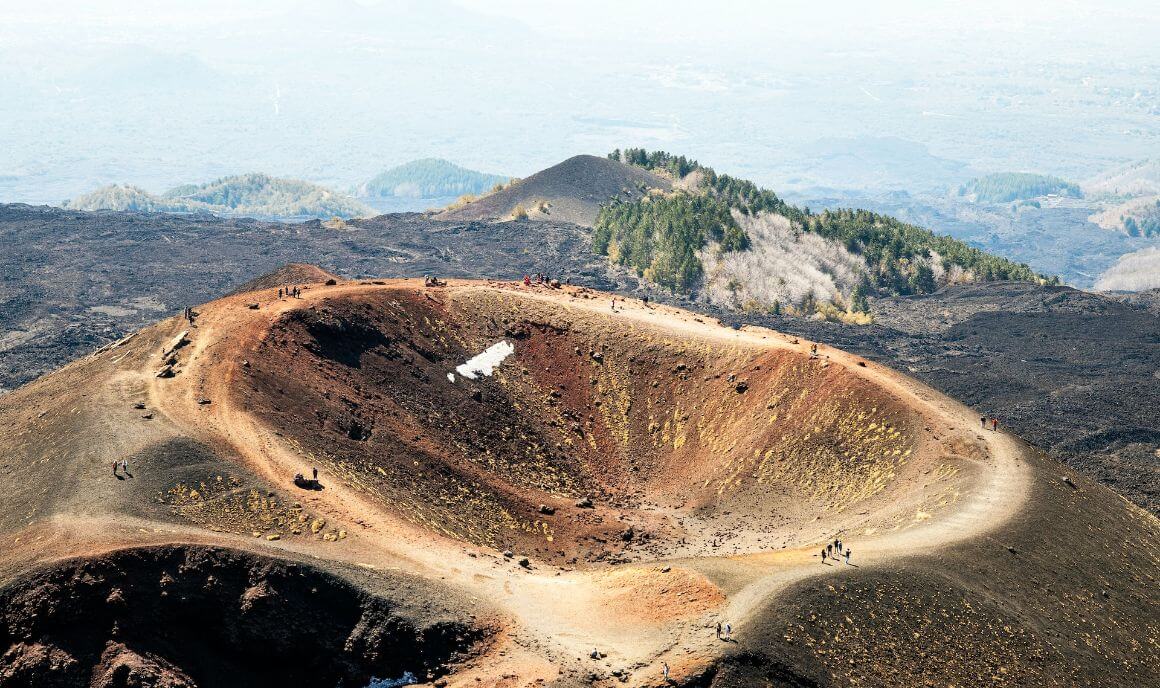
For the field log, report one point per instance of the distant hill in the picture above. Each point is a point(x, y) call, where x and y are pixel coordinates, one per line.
point(1129, 198)
point(261, 195)
point(740, 246)
point(1136, 271)
point(429, 178)
point(1140, 178)
point(1135, 217)
point(250, 195)
point(572, 191)
point(1004, 187)
point(127, 197)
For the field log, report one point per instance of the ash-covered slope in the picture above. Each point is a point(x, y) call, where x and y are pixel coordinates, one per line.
point(571, 191)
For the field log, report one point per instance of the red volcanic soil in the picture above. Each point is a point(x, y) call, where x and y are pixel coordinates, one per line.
point(671, 438)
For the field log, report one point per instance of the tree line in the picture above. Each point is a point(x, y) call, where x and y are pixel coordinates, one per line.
point(661, 236)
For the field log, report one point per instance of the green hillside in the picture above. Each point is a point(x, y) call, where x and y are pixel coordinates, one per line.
point(261, 195)
point(1144, 221)
point(430, 178)
point(250, 195)
point(662, 237)
point(125, 197)
point(1005, 187)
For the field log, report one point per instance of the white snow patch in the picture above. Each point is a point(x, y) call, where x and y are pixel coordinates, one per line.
point(486, 362)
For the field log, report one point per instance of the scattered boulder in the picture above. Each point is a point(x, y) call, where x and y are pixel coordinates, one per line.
point(525, 563)
point(166, 371)
point(585, 503)
point(741, 387)
point(508, 554)
point(176, 343)
point(331, 282)
point(252, 306)
point(547, 510)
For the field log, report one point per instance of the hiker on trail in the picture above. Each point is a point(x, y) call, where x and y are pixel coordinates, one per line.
point(315, 469)
point(994, 424)
point(728, 631)
point(117, 463)
point(645, 299)
point(848, 552)
point(527, 281)
point(125, 466)
point(279, 292)
point(718, 630)
point(838, 546)
point(665, 670)
point(823, 555)
point(983, 421)
point(830, 550)
point(614, 305)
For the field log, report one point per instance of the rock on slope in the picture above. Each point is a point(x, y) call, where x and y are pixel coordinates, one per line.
point(571, 191)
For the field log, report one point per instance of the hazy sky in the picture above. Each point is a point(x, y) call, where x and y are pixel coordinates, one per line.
point(890, 94)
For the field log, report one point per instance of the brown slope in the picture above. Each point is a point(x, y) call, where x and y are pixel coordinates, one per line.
point(734, 485)
point(290, 274)
point(573, 192)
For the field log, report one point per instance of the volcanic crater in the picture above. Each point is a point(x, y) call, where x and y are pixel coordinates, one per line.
point(580, 508)
point(602, 437)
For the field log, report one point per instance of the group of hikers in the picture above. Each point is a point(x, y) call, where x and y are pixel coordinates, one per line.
point(301, 481)
point(834, 551)
point(432, 281)
point(994, 423)
point(188, 314)
point(123, 465)
point(538, 278)
point(290, 292)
